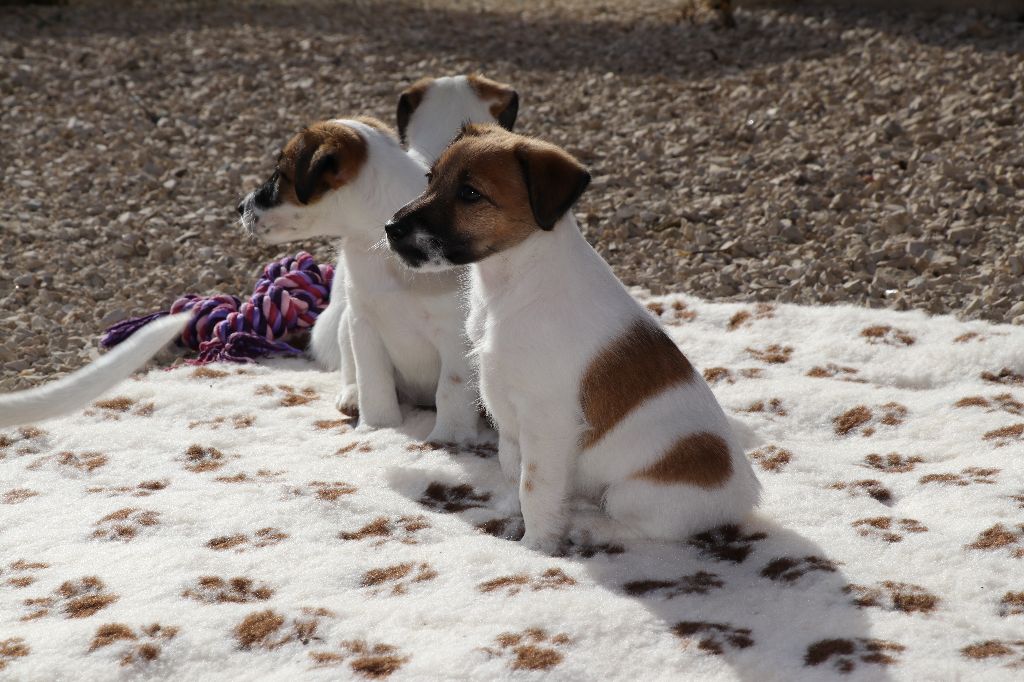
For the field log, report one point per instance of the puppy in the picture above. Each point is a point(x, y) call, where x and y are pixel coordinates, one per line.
point(77, 390)
point(588, 393)
point(344, 178)
point(430, 113)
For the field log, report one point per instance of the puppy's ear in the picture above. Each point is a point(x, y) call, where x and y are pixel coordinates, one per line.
point(507, 116)
point(554, 181)
point(328, 163)
point(504, 99)
point(408, 102)
point(312, 172)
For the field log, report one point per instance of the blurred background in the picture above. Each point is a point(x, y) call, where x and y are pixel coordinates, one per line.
point(819, 152)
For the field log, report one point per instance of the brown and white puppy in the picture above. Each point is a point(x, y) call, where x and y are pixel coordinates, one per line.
point(431, 110)
point(588, 393)
point(430, 113)
point(402, 332)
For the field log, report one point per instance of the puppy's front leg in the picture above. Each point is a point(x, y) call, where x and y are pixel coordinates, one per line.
point(547, 465)
point(457, 418)
point(375, 376)
point(347, 401)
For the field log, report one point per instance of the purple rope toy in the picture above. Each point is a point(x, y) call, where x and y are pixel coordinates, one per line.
point(289, 296)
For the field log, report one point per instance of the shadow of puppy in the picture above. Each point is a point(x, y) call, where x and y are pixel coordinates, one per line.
point(761, 598)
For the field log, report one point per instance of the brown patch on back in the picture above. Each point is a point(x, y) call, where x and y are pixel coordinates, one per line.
point(700, 459)
point(638, 365)
point(298, 165)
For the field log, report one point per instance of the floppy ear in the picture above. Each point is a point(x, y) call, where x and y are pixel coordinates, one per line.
point(504, 99)
point(554, 181)
point(507, 116)
point(408, 102)
point(314, 170)
point(327, 160)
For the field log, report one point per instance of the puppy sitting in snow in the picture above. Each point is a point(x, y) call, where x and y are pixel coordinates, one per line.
point(588, 393)
point(401, 333)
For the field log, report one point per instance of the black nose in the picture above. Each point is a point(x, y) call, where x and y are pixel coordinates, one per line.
point(241, 207)
point(397, 229)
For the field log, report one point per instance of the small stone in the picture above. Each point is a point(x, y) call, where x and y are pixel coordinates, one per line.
point(962, 235)
point(841, 202)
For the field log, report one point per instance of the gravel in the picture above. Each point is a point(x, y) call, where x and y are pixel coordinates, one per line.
point(817, 156)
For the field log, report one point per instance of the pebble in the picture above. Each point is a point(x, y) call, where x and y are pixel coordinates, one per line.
point(820, 158)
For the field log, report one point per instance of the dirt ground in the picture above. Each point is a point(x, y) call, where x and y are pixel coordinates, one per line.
point(817, 156)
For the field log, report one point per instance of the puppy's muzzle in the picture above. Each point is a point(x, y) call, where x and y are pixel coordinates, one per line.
point(401, 231)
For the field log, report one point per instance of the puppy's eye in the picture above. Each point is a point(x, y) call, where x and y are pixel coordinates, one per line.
point(469, 195)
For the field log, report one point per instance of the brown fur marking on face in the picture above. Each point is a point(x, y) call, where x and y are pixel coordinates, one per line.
point(700, 459)
point(640, 364)
point(524, 184)
point(323, 157)
point(504, 99)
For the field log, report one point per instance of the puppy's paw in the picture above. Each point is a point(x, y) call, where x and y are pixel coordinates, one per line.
point(454, 434)
point(380, 416)
point(347, 401)
point(545, 544)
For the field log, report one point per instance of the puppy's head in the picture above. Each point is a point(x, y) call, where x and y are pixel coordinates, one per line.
point(431, 110)
point(489, 191)
point(301, 197)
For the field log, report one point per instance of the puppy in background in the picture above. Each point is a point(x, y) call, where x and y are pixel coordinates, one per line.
point(589, 394)
point(430, 113)
point(344, 178)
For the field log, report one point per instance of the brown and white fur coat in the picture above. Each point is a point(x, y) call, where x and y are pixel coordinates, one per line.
point(397, 334)
point(589, 395)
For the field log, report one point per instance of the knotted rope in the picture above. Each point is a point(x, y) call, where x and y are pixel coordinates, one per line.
point(289, 296)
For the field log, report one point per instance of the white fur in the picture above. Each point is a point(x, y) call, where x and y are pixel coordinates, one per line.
point(404, 329)
point(79, 389)
point(540, 312)
point(447, 104)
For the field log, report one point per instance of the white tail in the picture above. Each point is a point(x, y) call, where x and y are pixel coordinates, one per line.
point(77, 390)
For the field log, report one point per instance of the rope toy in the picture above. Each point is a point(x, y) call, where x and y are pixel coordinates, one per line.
point(289, 296)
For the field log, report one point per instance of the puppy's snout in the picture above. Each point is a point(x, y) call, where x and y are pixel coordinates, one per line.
point(399, 229)
point(241, 207)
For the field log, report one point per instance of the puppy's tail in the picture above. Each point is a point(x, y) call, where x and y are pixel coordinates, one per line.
point(79, 389)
